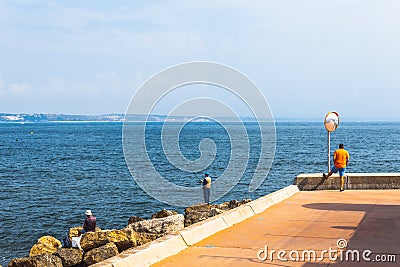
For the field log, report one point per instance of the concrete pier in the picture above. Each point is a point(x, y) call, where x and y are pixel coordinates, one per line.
point(331, 224)
point(293, 222)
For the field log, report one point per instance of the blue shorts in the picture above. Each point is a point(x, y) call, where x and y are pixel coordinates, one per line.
point(340, 170)
point(82, 231)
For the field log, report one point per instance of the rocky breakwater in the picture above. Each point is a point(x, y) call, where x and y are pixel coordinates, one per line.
point(103, 244)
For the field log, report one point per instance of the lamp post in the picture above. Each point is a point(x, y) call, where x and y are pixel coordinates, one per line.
point(331, 123)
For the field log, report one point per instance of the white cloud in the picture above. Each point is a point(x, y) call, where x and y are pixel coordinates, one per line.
point(21, 89)
point(107, 84)
point(109, 81)
point(55, 86)
point(2, 86)
point(120, 29)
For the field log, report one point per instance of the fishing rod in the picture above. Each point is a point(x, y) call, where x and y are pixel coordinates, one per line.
point(196, 174)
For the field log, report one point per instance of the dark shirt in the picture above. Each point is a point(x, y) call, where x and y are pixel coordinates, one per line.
point(207, 182)
point(90, 224)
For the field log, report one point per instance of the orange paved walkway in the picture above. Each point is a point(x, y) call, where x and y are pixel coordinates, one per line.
point(315, 220)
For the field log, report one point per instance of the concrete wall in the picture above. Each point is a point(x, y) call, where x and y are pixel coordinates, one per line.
point(315, 181)
point(164, 247)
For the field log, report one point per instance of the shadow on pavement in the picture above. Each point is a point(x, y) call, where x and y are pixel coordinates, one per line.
point(378, 232)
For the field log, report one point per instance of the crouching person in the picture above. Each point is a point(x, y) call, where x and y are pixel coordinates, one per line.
point(90, 223)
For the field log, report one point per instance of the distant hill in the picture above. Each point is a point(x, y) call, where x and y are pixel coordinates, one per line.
point(7, 117)
point(40, 117)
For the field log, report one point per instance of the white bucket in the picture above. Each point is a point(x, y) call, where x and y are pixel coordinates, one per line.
point(76, 240)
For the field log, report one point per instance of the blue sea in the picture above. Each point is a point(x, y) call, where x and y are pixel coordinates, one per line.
point(50, 173)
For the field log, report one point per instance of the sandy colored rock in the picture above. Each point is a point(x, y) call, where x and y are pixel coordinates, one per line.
point(234, 203)
point(93, 240)
point(69, 256)
point(134, 219)
point(45, 245)
point(44, 260)
point(163, 213)
point(144, 238)
point(223, 206)
point(100, 254)
point(123, 239)
point(74, 231)
point(21, 262)
point(160, 226)
point(202, 212)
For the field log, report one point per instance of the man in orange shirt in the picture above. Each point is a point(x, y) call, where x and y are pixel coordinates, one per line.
point(341, 159)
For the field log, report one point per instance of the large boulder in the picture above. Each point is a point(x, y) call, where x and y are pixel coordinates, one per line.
point(70, 256)
point(22, 262)
point(144, 238)
point(163, 213)
point(74, 231)
point(100, 254)
point(44, 260)
point(93, 240)
point(134, 219)
point(159, 226)
point(123, 239)
point(223, 206)
point(45, 245)
point(202, 212)
point(234, 203)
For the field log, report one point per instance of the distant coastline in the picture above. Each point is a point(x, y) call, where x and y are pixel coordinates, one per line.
point(41, 117)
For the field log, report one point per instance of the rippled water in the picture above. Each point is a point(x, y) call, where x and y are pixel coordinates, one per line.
point(50, 173)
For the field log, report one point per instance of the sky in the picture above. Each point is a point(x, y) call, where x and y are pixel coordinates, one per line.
point(308, 57)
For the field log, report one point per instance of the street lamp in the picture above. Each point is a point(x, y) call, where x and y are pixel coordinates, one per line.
point(331, 123)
